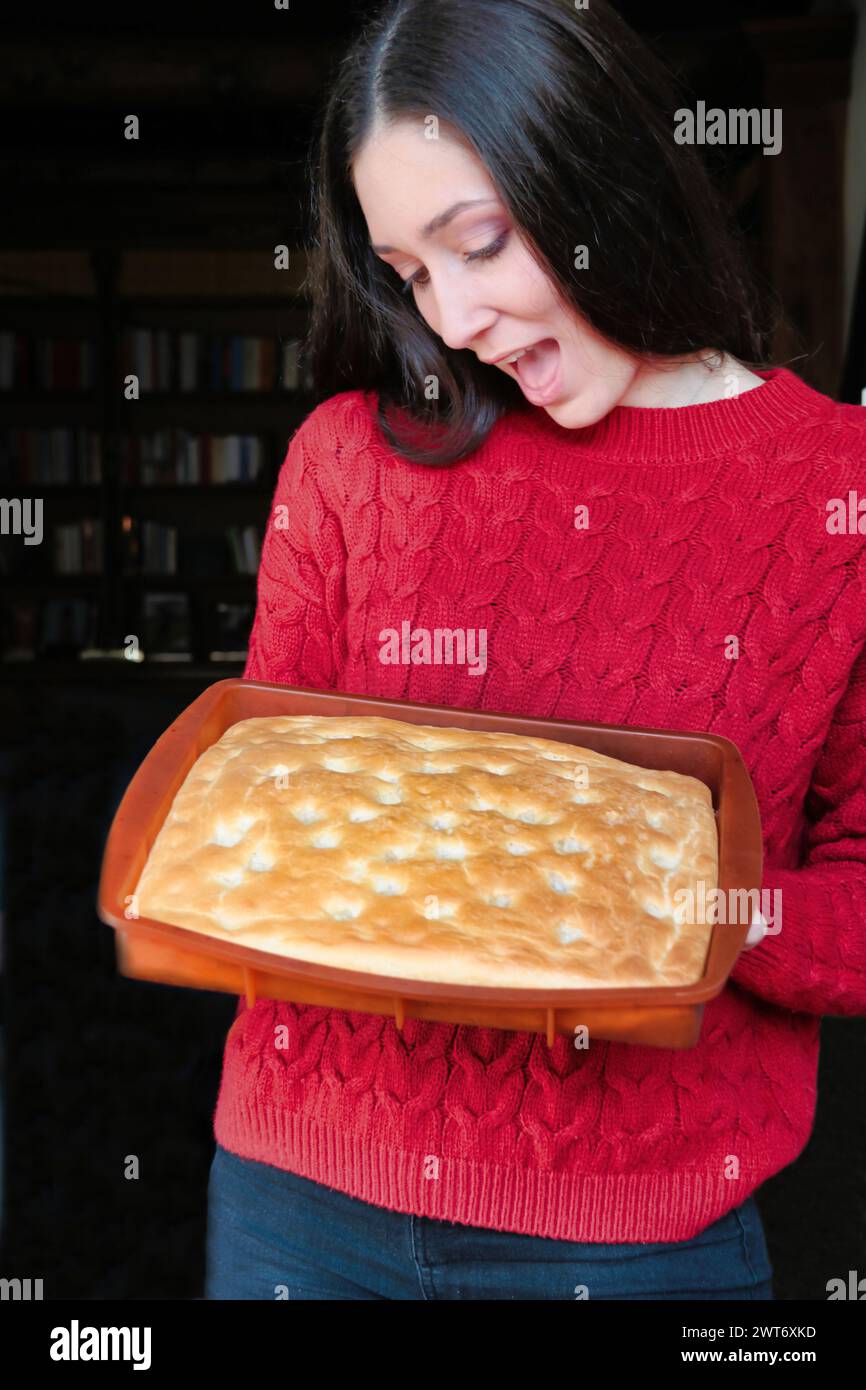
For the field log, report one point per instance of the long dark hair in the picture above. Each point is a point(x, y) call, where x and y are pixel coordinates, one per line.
point(572, 116)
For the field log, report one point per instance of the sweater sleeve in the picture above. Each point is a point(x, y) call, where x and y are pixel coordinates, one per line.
point(815, 960)
point(298, 626)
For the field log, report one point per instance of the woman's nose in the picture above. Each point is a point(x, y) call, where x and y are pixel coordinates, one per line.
point(460, 320)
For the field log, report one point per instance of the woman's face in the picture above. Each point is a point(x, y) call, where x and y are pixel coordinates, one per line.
point(474, 280)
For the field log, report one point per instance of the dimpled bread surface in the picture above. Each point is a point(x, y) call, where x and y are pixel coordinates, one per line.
point(440, 854)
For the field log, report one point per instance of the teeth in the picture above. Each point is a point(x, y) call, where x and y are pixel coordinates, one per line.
point(516, 357)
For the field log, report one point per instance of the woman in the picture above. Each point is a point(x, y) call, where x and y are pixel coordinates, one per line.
point(499, 177)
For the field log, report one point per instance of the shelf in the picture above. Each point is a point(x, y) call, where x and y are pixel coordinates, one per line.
point(68, 490)
point(169, 581)
point(30, 306)
point(196, 489)
point(182, 581)
point(44, 669)
point(66, 399)
point(233, 413)
point(51, 413)
point(50, 581)
point(169, 400)
point(209, 303)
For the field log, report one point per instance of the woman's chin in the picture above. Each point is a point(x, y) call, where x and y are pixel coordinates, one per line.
point(575, 412)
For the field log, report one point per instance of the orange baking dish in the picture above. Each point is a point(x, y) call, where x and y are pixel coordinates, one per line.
point(660, 1016)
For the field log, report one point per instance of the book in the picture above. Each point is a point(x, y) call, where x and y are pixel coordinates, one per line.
point(166, 628)
point(68, 625)
point(229, 631)
point(19, 623)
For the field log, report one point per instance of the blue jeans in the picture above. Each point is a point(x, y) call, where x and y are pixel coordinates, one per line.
point(272, 1235)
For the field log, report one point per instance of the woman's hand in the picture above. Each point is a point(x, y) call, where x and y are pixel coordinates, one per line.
point(757, 931)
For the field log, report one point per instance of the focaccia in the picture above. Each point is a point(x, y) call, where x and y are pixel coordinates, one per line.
point(437, 854)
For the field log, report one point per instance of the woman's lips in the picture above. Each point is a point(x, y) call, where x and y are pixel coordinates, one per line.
point(540, 371)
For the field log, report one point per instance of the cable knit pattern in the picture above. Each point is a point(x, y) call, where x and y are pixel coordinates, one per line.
point(705, 524)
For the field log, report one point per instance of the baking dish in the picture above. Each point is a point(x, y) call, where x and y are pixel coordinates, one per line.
point(661, 1016)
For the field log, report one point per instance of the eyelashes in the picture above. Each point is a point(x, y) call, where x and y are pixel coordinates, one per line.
point(487, 253)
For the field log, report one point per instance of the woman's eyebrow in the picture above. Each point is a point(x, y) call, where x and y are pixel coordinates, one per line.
point(441, 220)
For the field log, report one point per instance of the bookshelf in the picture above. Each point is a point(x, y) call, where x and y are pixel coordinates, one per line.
point(148, 410)
point(140, 249)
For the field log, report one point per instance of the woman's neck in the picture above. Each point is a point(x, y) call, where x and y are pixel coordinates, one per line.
point(718, 377)
point(703, 429)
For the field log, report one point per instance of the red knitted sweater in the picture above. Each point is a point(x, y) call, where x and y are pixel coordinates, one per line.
point(703, 523)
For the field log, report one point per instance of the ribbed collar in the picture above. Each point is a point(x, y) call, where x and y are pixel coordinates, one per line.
point(659, 434)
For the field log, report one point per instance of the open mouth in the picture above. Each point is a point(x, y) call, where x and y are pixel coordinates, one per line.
point(538, 369)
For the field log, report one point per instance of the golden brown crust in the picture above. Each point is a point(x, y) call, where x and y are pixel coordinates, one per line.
point(437, 854)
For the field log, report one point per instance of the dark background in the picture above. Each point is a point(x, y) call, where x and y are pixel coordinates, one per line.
point(95, 1066)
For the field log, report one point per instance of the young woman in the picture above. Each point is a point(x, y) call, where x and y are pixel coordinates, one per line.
point(500, 177)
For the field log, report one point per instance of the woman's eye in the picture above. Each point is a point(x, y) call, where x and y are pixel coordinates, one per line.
point(487, 253)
